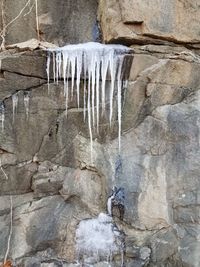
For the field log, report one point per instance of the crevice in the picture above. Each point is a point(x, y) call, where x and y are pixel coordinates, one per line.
point(25, 75)
point(170, 39)
point(26, 89)
point(144, 116)
point(153, 40)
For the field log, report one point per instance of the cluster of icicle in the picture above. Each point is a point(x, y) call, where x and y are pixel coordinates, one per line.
point(94, 63)
point(15, 98)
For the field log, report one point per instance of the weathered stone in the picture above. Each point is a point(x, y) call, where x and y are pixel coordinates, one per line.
point(49, 180)
point(27, 231)
point(140, 63)
point(12, 82)
point(148, 21)
point(29, 64)
point(19, 178)
point(60, 22)
point(31, 45)
point(163, 245)
point(85, 185)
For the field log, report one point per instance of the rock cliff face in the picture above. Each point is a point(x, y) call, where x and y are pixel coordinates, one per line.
point(45, 156)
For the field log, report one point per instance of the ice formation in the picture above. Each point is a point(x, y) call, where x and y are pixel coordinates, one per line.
point(14, 104)
point(109, 205)
point(95, 63)
point(95, 237)
point(26, 102)
point(117, 199)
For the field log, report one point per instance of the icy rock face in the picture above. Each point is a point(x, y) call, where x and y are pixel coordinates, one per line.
point(97, 238)
point(94, 62)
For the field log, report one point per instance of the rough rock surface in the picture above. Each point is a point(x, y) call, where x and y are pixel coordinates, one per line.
point(46, 154)
point(135, 21)
point(59, 21)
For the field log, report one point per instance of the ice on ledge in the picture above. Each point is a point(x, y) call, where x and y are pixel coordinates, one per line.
point(92, 62)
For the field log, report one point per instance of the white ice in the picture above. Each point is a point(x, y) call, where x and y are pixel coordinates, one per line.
point(14, 104)
point(26, 103)
point(48, 69)
point(109, 205)
point(95, 237)
point(96, 63)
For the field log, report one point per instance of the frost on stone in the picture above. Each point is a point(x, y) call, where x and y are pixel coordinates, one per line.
point(95, 63)
point(98, 238)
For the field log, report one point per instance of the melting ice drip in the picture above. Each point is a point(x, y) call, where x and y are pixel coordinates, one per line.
point(99, 239)
point(15, 100)
point(26, 102)
point(96, 63)
point(14, 104)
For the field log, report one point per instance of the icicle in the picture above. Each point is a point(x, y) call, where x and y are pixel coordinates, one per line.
point(109, 205)
point(96, 61)
point(97, 89)
point(104, 69)
point(89, 118)
point(57, 66)
point(14, 104)
point(84, 86)
point(119, 104)
point(72, 59)
point(93, 73)
point(65, 77)
point(65, 61)
point(54, 66)
point(48, 69)
point(113, 68)
point(2, 115)
point(122, 258)
point(26, 102)
point(78, 76)
point(67, 89)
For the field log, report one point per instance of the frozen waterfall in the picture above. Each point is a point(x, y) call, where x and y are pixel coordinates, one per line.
point(95, 63)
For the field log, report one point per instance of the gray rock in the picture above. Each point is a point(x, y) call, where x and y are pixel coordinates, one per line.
point(59, 22)
point(85, 185)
